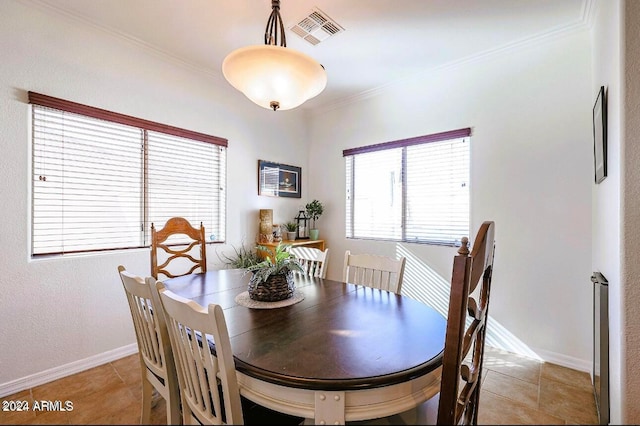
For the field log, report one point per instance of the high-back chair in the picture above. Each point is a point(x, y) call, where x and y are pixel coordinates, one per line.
point(375, 271)
point(313, 260)
point(154, 348)
point(204, 361)
point(177, 245)
point(207, 378)
point(464, 345)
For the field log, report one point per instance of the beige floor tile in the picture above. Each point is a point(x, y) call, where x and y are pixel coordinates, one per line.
point(37, 411)
point(580, 379)
point(496, 410)
point(16, 417)
point(571, 403)
point(19, 408)
point(159, 413)
point(51, 418)
point(129, 415)
point(128, 368)
point(511, 388)
point(136, 391)
point(158, 409)
point(78, 385)
point(513, 365)
point(97, 406)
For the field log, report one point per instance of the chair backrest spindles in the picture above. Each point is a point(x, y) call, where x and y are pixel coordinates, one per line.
point(374, 271)
point(464, 345)
point(154, 347)
point(200, 342)
point(313, 260)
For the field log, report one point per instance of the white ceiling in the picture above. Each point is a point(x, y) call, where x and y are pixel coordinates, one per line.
point(383, 41)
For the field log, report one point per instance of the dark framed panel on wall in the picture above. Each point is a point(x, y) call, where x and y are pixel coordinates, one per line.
point(600, 136)
point(279, 180)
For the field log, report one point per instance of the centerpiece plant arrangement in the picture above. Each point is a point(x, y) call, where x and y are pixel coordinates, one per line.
point(241, 258)
point(272, 279)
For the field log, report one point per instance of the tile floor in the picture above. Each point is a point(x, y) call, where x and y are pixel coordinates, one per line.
point(517, 390)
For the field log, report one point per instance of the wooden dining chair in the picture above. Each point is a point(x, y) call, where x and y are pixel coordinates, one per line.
point(154, 347)
point(209, 388)
point(375, 271)
point(461, 377)
point(464, 344)
point(313, 260)
point(177, 249)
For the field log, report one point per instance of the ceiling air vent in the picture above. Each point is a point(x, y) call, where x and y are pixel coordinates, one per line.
point(316, 27)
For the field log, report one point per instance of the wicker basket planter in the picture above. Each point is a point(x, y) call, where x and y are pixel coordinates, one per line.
point(276, 287)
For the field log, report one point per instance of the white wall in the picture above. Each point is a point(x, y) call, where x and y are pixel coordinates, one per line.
point(616, 201)
point(531, 161)
point(65, 310)
point(606, 202)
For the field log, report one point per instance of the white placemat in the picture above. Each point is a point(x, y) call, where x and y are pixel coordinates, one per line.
point(243, 299)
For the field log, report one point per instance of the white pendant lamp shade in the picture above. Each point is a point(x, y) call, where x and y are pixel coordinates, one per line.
point(274, 77)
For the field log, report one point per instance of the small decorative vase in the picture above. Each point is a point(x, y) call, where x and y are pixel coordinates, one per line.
point(314, 234)
point(277, 287)
point(291, 236)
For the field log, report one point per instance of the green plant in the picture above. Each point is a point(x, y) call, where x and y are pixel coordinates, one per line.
point(281, 262)
point(291, 226)
point(241, 258)
point(314, 211)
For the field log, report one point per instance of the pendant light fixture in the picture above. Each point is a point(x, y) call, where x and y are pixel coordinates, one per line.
point(271, 75)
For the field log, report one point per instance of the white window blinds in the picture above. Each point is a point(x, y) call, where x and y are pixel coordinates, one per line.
point(190, 185)
point(98, 184)
point(414, 190)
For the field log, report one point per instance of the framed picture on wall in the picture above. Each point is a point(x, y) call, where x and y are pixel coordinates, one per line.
point(600, 136)
point(279, 180)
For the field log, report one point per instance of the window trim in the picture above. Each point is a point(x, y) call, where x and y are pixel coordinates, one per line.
point(418, 140)
point(103, 114)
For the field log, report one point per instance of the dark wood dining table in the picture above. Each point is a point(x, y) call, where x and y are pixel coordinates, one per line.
point(343, 353)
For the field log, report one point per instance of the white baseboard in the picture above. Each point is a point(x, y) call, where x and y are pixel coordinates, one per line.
point(56, 373)
point(565, 361)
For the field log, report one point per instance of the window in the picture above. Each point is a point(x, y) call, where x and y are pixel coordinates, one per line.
point(101, 178)
point(413, 190)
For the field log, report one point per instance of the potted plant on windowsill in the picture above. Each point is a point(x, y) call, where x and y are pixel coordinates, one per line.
point(291, 227)
point(272, 279)
point(314, 210)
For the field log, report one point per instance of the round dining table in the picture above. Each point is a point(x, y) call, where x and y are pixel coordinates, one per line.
point(341, 352)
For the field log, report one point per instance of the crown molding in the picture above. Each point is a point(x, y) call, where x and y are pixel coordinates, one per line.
point(159, 53)
point(581, 24)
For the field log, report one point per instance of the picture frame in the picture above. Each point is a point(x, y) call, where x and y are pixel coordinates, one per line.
point(279, 180)
point(600, 136)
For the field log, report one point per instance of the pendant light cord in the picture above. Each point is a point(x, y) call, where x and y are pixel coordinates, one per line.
point(275, 27)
